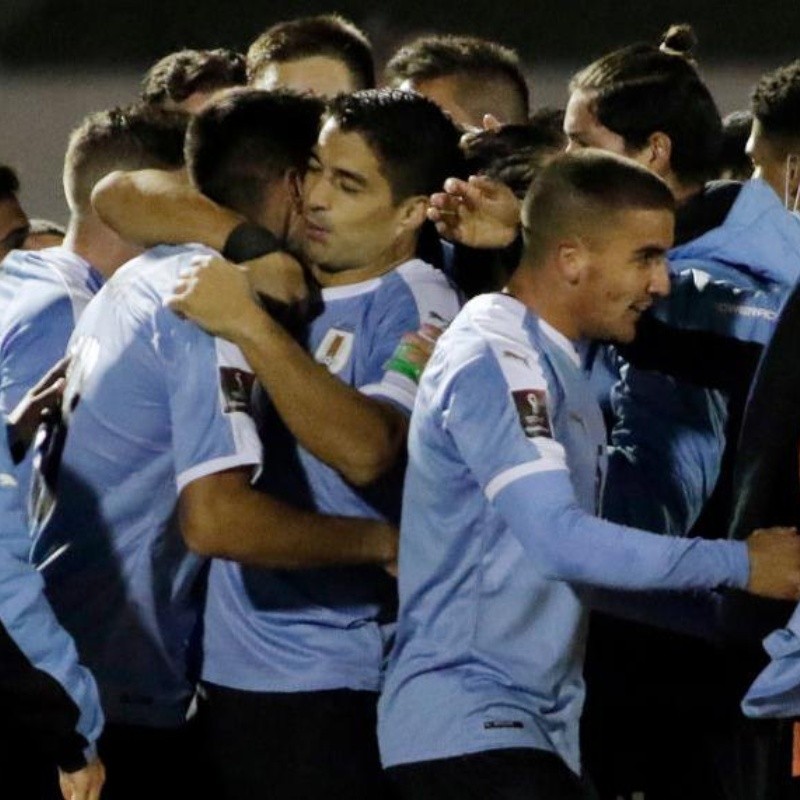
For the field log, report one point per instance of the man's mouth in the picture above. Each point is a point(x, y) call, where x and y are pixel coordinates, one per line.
point(316, 232)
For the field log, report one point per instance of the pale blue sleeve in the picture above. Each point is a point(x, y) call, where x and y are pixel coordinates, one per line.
point(40, 663)
point(209, 385)
point(528, 482)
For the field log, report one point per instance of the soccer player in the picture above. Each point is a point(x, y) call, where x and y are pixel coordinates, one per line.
point(298, 656)
point(48, 289)
point(325, 55)
point(468, 77)
point(187, 79)
point(506, 464)
point(774, 143)
point(158, 460)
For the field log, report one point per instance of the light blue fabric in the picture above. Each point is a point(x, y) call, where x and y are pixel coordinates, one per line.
point(506, 463)
point(151, 404)
point(50, 291)
point(776, 691)
point(28, 619)
point(313, 630)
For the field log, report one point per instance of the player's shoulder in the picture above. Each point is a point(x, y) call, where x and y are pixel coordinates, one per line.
point(421, 283)
point(493, 340)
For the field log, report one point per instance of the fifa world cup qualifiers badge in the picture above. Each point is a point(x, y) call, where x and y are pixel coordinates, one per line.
point(532, 410)
point(236, 385)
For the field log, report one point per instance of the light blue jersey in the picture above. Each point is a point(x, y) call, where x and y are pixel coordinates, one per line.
point(506, 462)
point(152, 403)
point(51, 290)
point(63, 704)
point(312, 630)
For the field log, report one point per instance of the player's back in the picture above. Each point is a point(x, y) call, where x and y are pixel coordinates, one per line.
point(117, 570)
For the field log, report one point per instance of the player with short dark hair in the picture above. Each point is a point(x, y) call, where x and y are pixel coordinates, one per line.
point(155, 477)
point(499, 538)
point(325, 54)
point(774, 144)
point(187, 79)
point(469, 77)
point(298, 656)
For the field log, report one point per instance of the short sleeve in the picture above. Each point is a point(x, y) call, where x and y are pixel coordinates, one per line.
point(499, 414)
point(209, 385)
point(418, 300)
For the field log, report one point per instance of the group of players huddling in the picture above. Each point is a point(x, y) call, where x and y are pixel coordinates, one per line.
point(285, 515)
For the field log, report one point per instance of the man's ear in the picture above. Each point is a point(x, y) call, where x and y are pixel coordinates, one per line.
point(572, 257)
point(412, 213)
point(658, 153)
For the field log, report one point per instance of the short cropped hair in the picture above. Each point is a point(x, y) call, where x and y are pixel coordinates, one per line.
point(179, 75)
point(480, 62)
point(327, 35)
point(130, 138)
point(645, 88)
point(414, 141)
point(513, 154)
point(583, 191)
point(775, 102)
point(9, 182)
point(241, 142)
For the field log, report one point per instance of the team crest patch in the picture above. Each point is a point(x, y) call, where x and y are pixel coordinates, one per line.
point(532, 410)
point(236, 385)
point(334, 349)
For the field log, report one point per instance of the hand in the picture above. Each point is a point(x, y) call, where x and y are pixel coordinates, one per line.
point(44, 397)
point(478, 212)
point(774, 563)
point(215, 294)
point(85, 784)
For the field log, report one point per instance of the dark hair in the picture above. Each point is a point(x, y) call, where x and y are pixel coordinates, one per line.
point(135, 137)
point(179, 75)
point(326, 35)
point(244, 140)
point(415, 142)
point(513, 154)
point(641, 89)
point(734, 162)
point(9, 182)
point(585, 189)
point(776, 101)
point(480, 60)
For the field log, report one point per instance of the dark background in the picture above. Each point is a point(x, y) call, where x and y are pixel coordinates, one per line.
point(135, 32)
point(60, 59)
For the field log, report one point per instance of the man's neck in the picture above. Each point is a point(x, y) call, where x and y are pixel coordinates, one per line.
point(398, 254)
point(96, 243)
point(530, 288)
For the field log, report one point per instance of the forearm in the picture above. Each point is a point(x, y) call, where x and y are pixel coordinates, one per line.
point(153, 207)
point(245, 525)
point(356, 435)
point(569, 544)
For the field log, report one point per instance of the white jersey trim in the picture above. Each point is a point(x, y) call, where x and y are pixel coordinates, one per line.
point(351, 290)
point(561, 341)
point(436, 301)
point(245, 459)
point(393, 390)
point(504, 479)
